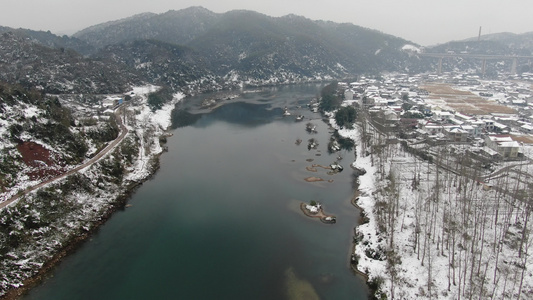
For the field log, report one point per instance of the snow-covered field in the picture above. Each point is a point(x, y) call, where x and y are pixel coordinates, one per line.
point(436, 234)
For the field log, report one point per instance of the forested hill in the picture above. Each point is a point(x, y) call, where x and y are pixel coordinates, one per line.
point(195, 49)
point(29, 63)
point(256, 46)
point(175, 27)
point(518, 44)
point(48, 39)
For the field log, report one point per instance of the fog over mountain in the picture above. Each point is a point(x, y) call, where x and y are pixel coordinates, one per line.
point(424, 22)
point(96, 106)
point(188, 48)
point(183, 48)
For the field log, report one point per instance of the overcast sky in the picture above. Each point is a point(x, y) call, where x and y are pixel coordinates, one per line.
point(426, 22)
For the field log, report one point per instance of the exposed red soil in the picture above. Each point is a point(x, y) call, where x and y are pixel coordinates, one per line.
point(43, 163)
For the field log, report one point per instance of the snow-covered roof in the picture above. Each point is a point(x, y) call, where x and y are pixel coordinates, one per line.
point(442, 113)
point(500, 138)
point(499, 125)
point(513, 144)
point(462, 116)
point(527, 127)
point(457, 130)
point(490, 151)
point(455, 121)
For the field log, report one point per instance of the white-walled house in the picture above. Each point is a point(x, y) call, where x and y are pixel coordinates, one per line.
point(473, 131)
point(441, 115)
point(348, 94)
point(503, 144)
point(456, 134)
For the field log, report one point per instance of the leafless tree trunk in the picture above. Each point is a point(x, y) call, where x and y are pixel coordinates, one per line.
point(527, 243)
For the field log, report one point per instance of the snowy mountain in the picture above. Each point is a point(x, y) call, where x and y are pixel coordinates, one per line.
point(176, 27)
point(177, 67)
point(48, 39)
point(520, 43)
point(59, 70)
point(240, 41)
point(196, 50)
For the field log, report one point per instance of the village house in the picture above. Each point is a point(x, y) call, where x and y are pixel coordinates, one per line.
point(503, 144)
point(473, 131)
point(348, 94)
point(456, 134)
point(441, 116)
point(527, 128)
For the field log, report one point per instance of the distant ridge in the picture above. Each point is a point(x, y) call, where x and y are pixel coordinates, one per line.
point(101, 26)
point(195, 49)
point(255, 45)
point(516, 43)
point(177, 27)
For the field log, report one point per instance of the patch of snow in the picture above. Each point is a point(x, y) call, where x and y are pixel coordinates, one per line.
point(32, 111)
point(411, 48)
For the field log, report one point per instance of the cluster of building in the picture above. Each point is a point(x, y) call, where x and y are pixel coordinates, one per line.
point(413, 107)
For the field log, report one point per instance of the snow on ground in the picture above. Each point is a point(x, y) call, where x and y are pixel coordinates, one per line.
point(51, 216)
point(149, 126)
point(451, 237)
point(162, 117)
point(145, 89)
point(31, 111)
point(412, 48)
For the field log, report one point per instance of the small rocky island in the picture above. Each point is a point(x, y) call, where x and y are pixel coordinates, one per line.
point(314, 210)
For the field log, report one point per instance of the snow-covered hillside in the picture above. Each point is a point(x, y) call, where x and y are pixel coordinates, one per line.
point(434, 232)
point(38, 226)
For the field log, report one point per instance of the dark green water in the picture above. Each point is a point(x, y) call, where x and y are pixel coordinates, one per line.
point(221, 218)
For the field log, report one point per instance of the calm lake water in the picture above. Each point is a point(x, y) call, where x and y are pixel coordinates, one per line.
point(221, 218)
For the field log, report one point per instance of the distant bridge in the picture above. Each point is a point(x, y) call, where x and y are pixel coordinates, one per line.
point(483, 57)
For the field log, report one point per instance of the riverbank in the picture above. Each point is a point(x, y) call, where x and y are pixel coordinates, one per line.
point(353, 258)
point(362, 199)
point(409, 251)
point(93, 198)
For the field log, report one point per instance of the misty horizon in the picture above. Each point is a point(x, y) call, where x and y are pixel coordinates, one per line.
point(414, 20)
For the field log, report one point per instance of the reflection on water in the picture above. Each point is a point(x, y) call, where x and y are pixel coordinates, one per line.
point(241, 113)
point(218, 221)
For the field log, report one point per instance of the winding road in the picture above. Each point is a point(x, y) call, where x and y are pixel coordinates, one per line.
point(96, 158)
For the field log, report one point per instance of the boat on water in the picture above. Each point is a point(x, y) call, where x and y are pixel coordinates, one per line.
point(336, 167)
point(329, 219)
